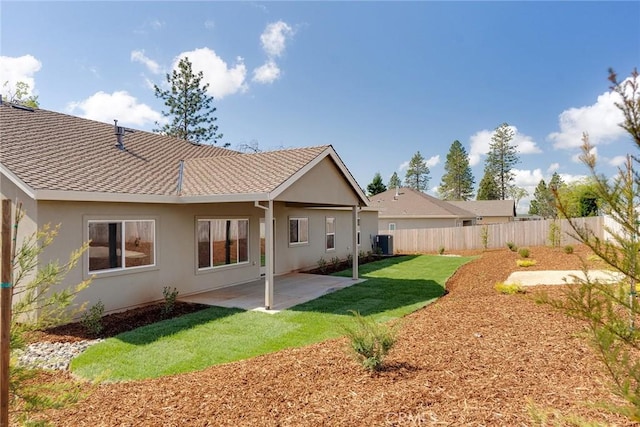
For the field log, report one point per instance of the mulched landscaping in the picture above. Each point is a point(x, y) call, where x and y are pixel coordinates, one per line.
point(475, 357)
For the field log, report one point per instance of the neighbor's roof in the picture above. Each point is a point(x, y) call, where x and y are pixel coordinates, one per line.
point(487, 208)
point(51, 155)
point(409, 203)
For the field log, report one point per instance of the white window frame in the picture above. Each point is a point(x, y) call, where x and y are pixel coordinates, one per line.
point(211, 265)
point(328, 233)
point(300, 222)
point(122, 255)
point(392, 226)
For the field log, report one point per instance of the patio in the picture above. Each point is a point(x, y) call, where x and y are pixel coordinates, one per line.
point(289, 290)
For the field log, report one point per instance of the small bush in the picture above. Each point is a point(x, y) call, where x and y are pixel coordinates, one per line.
point(322, 265)
point(169, 304)
point(554, 235)
point(509, 288)
point(525, 262)
point(524, 252)
point(568, 249)
point(512, 246)
point(335, 263)
point(440, 250)
point(484, 236)
point(370, 341)
point(92, 319)
point(350, 260)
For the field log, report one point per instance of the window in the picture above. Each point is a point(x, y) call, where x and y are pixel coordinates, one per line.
point(298, 230)
point(331, 233)
point(392, 226)
point(222, 242)
point(118, 245)
point(358, 231)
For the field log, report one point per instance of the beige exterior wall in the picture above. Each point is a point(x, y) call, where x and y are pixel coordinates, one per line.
point(175, 250)
point(418, 223)
point(324, 183)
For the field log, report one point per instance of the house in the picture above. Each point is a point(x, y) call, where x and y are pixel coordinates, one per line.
point(159, 211)
point(489, 211)
point(406, 208)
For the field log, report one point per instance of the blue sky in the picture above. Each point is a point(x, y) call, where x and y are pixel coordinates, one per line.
point(377, 80)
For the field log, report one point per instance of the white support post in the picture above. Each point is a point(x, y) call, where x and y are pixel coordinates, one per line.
point(354, 221)
point(268, 256)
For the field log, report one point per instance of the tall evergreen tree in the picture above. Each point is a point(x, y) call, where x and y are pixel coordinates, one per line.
point(488, 188)
point(457, 182)
point(376, 186)
point(417, 176)
point(190, 109)
point(540, 203)
point(394, 181)
point(501, 159)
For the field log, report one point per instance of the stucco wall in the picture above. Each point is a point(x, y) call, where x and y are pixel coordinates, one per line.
point(176, 260)
point(494, 220)
point(417, 223)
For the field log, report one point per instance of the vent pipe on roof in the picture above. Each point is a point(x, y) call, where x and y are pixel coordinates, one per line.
point(119, 132)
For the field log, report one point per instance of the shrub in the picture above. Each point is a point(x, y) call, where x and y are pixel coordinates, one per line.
point(335, 263)
point(440, 250)
point(554, 234)
point(169, 303)
point(525, 262)
point(512, 246)
point(350, 260)
point(370, 341)
point(509, 288)
point(92, 319)
point(524, 252)
point(322, 265)
point(568, 249)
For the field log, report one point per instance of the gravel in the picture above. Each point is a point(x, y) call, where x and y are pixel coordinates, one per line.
point(51, 355)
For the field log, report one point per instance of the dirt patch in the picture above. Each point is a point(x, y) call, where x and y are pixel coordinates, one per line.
point(475, 357)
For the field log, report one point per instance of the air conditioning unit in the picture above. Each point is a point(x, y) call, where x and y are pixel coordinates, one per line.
point(383, 244)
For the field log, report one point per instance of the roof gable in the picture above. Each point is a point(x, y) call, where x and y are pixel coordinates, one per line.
point(407, 202)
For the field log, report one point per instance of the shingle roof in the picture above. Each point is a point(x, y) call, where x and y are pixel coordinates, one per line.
point(412, 203)
point(246, 173)
point(486, 208)
point(54, 151)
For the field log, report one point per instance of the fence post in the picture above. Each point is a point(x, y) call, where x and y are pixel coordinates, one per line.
point(5, 311)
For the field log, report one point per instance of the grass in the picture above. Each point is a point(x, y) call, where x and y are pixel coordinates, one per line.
point(394, 288)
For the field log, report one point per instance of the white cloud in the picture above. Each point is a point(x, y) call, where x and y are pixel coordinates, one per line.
point(222, 79)
point(600, 120)
point(481, 140)
point(432, 161)
point(152, 66)
point(267, 73)
point(617, 161)
point(528, 179)
point(18, 69)
point(106, 107)
point(274, 38)
point(403, 166)
point(553, 167)
point(156, 24)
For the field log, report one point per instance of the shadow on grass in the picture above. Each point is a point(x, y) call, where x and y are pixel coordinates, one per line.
point(150, 333)
point(371, 267)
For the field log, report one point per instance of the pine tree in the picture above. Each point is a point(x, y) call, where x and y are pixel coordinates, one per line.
point(417, 176)
point(457, 182)
point(540, 203)
point(376, 186)
point(501, 159)
point(394, 181)
point(488, 188)
point(189, 106)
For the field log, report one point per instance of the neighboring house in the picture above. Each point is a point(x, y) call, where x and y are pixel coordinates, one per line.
point(405, 208)
point(489, 211)
point(165, 212)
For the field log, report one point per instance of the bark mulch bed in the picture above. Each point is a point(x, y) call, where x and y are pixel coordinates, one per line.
point(474, 357)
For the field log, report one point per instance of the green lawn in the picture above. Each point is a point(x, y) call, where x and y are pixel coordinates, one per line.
point(394, 288)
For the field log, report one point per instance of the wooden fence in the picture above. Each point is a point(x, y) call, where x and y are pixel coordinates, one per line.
point(521, 233)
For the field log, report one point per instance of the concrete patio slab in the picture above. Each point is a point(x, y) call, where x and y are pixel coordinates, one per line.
point(560, 277)
point(288, 290)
